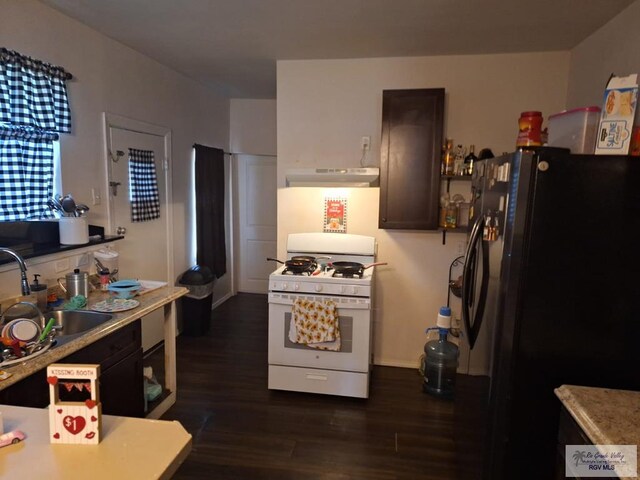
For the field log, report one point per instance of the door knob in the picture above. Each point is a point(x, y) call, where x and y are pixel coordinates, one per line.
point(121, 230)
point(114, 188)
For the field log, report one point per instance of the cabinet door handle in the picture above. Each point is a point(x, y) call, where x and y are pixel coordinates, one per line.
point(315, 376)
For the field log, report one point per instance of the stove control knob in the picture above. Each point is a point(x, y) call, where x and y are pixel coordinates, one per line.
point(285, 286)
point(318, 288)
point(343, 289)
point(354, 290)
point(296, 286)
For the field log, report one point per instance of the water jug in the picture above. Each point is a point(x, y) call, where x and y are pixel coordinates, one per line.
point(441, 359)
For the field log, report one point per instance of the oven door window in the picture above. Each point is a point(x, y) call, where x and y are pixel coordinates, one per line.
point(355, 334)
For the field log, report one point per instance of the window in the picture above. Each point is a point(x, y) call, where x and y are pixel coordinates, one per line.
point(33, 112)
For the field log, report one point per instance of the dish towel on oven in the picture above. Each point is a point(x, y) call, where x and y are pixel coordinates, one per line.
point(315, 324)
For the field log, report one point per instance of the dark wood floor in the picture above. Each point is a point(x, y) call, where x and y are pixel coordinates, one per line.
point(241, 430)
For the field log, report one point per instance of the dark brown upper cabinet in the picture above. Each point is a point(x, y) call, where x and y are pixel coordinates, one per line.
point(412, 126)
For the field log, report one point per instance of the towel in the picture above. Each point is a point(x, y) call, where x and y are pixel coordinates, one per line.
point(315, 324)
point(143, 186)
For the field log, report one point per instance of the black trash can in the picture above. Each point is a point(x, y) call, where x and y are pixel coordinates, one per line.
point(196, 305)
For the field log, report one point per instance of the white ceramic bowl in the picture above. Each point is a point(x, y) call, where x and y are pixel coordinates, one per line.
point(22, 329)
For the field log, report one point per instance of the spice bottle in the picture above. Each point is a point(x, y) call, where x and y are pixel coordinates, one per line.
point(104, 279)
point(447, 158)
point(469, 160)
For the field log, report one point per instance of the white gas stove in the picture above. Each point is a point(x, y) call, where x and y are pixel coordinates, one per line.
point(321, 281)
point(300, 367)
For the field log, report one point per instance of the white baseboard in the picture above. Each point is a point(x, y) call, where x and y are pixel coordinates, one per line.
point(396, 363)
point(221, 300)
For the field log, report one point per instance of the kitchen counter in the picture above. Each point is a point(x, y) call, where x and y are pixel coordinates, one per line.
point(130, 448)
point(162, 297)
point(607, 417)
point(29, 250)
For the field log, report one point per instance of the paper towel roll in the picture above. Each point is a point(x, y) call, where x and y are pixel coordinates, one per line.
point(74, 231)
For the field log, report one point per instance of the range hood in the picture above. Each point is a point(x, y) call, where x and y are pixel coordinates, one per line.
point(332, 177)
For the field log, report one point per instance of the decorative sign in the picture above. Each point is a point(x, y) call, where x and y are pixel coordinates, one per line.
point(335, 215)
point(75, 413)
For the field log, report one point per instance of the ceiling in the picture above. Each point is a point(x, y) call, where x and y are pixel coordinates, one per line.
point(233, 45)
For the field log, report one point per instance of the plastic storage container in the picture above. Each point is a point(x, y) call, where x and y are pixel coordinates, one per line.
point(196, 305)
point(575, 129)
point(109, 259)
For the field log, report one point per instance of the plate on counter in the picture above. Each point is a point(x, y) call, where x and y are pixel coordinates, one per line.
point(115, 305)
point(149, 286)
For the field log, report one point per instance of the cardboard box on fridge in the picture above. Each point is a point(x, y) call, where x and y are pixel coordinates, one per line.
point(618, 112)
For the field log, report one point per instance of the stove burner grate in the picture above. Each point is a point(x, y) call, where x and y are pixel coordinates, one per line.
point(300, 271)
point(348, 274)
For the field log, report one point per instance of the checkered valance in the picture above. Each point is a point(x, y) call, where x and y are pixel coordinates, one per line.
point(33, 93)
point(143, 186)
point(33, 111)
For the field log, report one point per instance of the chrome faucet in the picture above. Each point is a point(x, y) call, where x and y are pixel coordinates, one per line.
point(23, 269)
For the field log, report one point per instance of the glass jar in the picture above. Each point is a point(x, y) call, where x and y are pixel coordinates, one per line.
point(451, 215)
point(529, 129)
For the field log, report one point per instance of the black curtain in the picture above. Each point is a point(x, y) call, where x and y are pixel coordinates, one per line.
point(209, 172)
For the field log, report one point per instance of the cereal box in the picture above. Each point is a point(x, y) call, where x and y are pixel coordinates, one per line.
point(618, 112)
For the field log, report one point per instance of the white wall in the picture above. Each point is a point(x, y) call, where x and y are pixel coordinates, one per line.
point(252, 126)
point(325, 106)
point(614, 48)
point(252, 131)
point(111, 77)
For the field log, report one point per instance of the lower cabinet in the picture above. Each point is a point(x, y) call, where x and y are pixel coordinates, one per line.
point(569, 433)
point(122, 387)
point(121, 382)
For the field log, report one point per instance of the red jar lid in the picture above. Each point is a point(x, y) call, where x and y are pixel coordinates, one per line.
point(531, 114)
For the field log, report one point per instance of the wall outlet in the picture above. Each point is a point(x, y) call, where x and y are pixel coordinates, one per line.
point(461, 248)
point(366, 142)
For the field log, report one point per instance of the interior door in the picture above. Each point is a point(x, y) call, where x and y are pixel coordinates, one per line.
point(143, 252)
point(257, 215)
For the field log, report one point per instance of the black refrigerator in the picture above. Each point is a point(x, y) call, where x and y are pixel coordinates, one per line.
point(552, 277)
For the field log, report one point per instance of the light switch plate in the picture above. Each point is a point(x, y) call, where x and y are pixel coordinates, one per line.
point(96, 198)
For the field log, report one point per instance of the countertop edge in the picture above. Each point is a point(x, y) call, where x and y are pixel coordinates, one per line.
point(606, 416)
point(577, 411)
point(156, 299)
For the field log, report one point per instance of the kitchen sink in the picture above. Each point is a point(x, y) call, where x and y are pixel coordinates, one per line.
point(71, 323)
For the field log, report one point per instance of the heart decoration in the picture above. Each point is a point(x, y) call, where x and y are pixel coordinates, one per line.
point(59, 410)
point(52, 380)
point(74, 425)
point(56, 436)
point(93, 419)
point(90, 435)
point(90, 403)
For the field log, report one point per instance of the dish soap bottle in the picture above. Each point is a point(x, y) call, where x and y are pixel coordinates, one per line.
point(39, 291)
point(441, 359)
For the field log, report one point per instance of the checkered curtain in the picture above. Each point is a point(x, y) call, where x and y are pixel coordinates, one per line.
point(33, 110)
point(143, 186)
point(26, 173)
